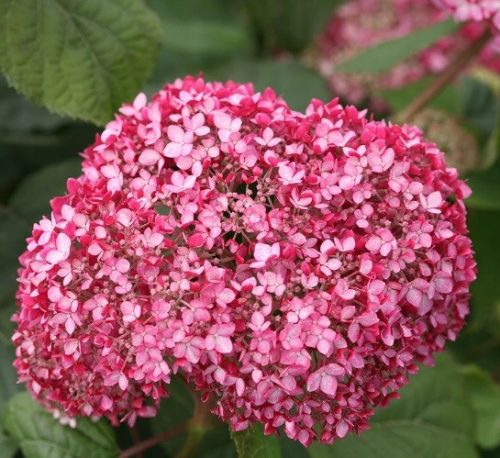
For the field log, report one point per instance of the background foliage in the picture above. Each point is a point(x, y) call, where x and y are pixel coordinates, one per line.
point(81, 59)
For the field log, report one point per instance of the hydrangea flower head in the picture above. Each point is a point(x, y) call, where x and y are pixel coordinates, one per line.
point(361, 24)
point(294, 268)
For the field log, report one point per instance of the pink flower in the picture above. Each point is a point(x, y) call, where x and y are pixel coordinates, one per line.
point(61, 250)
point(289, 176)
point(228, 128)
point(293, 268)
point(181, 143)
point(181, 182)
point(432, 203)
point(149, 157)
point(382, 242)
point(325, 379)
point(218, 338)
point(130, 311)
point(264, 253)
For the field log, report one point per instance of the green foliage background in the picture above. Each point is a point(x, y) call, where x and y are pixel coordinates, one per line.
point(75, 62)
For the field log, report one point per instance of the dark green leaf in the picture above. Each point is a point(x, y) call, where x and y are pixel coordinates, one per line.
point(13, 232)
point(40, 436)
point(485, 189)
point(174, 411)
point(6, 325)
point(31, 198)
point(487, 76)
point(217, 443)
point(483, 226)
point(210, 440)
point(289, 78)
point(384, 56)
point(207, 28)
point(485, 396)
point(432, 419)
point(8, 446)
point(208, 38)
point(80, 59)
point(291, 448)
point(480, 106)
point(200, 35)
point(18, 114)
point(201, 10)
point(490, 453)
point(252, 443)
point(8, 377)
point(288, 25)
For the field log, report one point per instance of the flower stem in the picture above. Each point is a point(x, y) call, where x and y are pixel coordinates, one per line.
point(446, 77)
point(152, 441)
point(136, 438)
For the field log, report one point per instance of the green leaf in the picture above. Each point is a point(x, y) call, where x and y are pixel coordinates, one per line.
point(252, 443)
point(485, 396)
point(288, 25)
point(202, 10)
point(31, 198)
point(13, 232)
point(18, 114)
point(488, 77)
point(485, 189)
point(401, 97)
point(40, 436)
point(205, 439)
point(432, 419)
point(485, 306)
point(289, 78)
point(78, 58)
point(480, 106)
point(209, 28)
point(6, 325)
point(200, 35)
point(383, 56)
point(8, 446)
point(208, 38)
point(292, 448)
point(181, 403)
point(8, 376)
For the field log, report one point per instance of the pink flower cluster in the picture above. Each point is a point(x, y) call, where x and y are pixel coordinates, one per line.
point(360, 24)
point(473, 10)
point(293, 267)
point(87, 335)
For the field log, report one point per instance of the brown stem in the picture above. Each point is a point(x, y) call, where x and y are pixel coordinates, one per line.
point(445, 78)
point(152, 441)
point(136, 438)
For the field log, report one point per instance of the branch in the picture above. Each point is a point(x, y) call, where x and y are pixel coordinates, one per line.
point(152, 441)
point(449, 74)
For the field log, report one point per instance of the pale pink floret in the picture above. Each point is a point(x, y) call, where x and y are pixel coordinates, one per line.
point(293, 268)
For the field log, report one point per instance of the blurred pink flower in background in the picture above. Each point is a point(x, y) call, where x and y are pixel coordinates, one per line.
point(361, 24)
